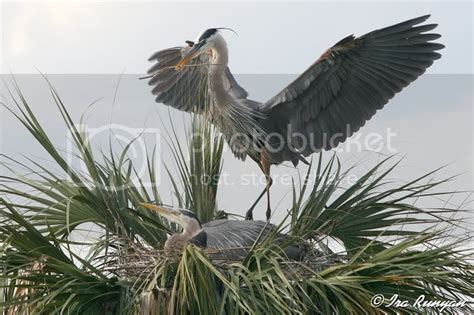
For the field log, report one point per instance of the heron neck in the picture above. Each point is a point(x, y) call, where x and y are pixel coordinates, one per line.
point(230, 114)
point(178, 239)
point(220, 58)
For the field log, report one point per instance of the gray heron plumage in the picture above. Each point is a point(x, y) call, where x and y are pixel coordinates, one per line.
point(319, 110)
point(224, 239)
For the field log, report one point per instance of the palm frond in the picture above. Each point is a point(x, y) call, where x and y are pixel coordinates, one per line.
point(199, 169)
point(391, 245)
point(368, 211)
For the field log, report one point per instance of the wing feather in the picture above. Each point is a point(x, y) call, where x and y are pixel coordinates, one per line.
point(351, 81)
point(228, 234)
point(186, 89)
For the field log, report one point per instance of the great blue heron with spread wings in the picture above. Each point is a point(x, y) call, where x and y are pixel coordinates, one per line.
point(326, 104)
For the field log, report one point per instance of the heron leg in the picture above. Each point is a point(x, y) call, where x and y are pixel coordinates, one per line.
point(264, 165)
point(249, 214)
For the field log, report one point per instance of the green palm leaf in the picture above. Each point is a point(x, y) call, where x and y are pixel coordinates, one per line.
point(390, 245)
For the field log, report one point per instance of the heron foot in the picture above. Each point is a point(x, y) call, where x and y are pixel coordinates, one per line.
point(268, 214)
point(249, 214)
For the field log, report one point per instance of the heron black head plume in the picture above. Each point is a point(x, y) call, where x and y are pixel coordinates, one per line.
point(206, 34)
point(211, 31)
point(229, 29)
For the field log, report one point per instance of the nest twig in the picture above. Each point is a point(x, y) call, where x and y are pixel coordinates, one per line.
point(137, 261)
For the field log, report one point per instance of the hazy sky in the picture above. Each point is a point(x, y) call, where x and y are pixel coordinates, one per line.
point(274, 37)
point(433, 118)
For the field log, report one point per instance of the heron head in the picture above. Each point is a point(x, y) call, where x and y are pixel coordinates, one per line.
point(184, 218)
point(205, 41)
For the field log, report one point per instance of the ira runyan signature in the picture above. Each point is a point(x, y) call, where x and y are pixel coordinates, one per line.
point(422, 302)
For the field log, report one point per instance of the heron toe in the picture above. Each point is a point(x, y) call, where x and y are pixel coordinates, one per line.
point(268, 213)
point(249, 214)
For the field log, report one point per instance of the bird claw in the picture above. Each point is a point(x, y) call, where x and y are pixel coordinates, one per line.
point(249, 215)
point(268, 214)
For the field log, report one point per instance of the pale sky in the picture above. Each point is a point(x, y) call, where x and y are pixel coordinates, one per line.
point(274, 37)
point(433, 118)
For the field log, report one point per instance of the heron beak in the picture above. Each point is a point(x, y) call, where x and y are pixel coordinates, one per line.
point(183, 62)
point(168, 213)
point(193, 52)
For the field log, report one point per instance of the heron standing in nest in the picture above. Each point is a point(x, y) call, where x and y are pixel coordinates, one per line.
point(320, 109)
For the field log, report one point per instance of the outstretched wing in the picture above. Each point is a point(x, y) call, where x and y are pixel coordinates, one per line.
point(351, 81)
point(185, 89)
